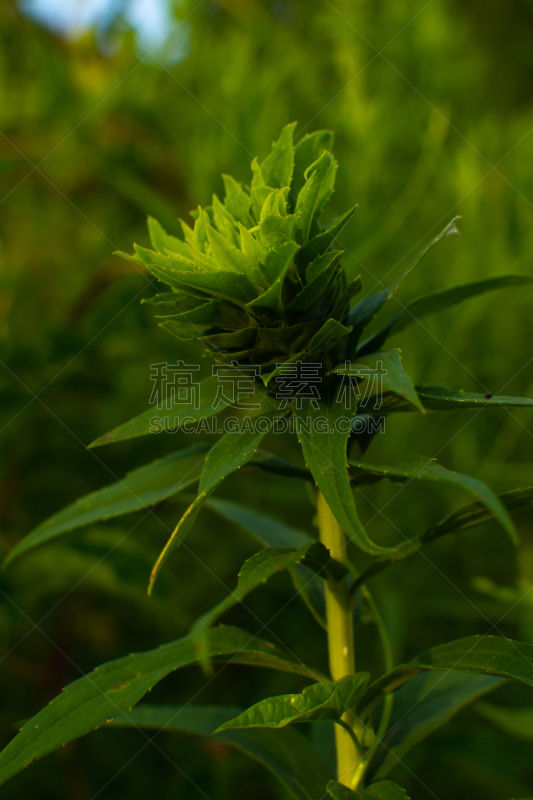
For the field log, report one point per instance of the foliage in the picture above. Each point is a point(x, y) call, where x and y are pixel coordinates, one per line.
point(242, 282)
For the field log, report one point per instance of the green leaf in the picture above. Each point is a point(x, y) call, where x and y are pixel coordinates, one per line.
point(279, 466)
point(277, 167)
point(231, 286)
point(424, 704)
point(323, 433)
point(307, 151)
point(386, 369)
point(383, 790)
point(422, 468)
point(256, 571)
point(237, 201)
point(307, 203)
point(322, 242)
point(485, 655)
point(155, 420)
point(288, 755)
point(231, 452)
point(363, 313)
point(228, 256)
point(514, 721)
point(462, 519)
point(194, 323)
point(141, 488)
point(320, 701)
point(442, 398)
point(271, 532)
point(276, 266)
point(438, 301)
point(114, 688)
point(161, 240)
point(267, 530)
point(326, 268)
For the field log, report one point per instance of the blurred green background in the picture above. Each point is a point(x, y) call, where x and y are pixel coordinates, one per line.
point(432, 106)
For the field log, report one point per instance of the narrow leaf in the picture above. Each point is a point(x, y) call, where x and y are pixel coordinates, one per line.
point(288, 755)
point(422, 468)
point(320, 701)
point(230, 453)
point(114, 688)
point(385, 370)
point(277, 167)
point(141, 488)
point(383, 790)
point(442, 398)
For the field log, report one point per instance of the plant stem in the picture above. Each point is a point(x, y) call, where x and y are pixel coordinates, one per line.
point(339, 618)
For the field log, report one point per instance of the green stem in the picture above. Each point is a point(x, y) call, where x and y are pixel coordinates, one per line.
point(339, 618)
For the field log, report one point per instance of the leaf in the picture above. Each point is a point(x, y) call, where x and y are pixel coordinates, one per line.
point(115, 687)
point(272, 532)
point(485, 655)
point(197, 322)
point(208, 404)
point(320, 701)
point(513, 721)
point(424, 704)
point(306, 152)
point(442, 398)
point(322, 242)
point(385, 368)
point(324, 442)
point(326, 268)
point(462, 519)
point(256, 571)
point(438, 301)
point(141, 488)
point(231, 286)
point(307, 203)
point(277, 167)
point(237, 201)
point(230, 453)
point(279, 466)
point(426, 469)
point(363, 313)
point(279, 262)
point(228, 256)
point(161, 240)
point(288, 755)
point(383, 790)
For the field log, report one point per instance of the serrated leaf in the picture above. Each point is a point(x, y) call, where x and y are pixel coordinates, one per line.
point(288, 755)
point(438, 301)
point(114, 688)
point(320, 701)
point(277, 264)
point(386, 369)
point(307, 203)
point(306, 152)
point(225, 223)
point(484, 655)
point(161, 240)
point(318, 281)
point(256, 571)
point(382, 790)
point(320, 243)
point(228, 256)
point(177, 301)
point(278, 165)
point(229, 454)
point(237, 201)
point(196, 322)
point(421, 468)
point(141, 488)
point(231, 286)
point(324, 447)
point(209, 404)
point(424, 704)
point(443, 398)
